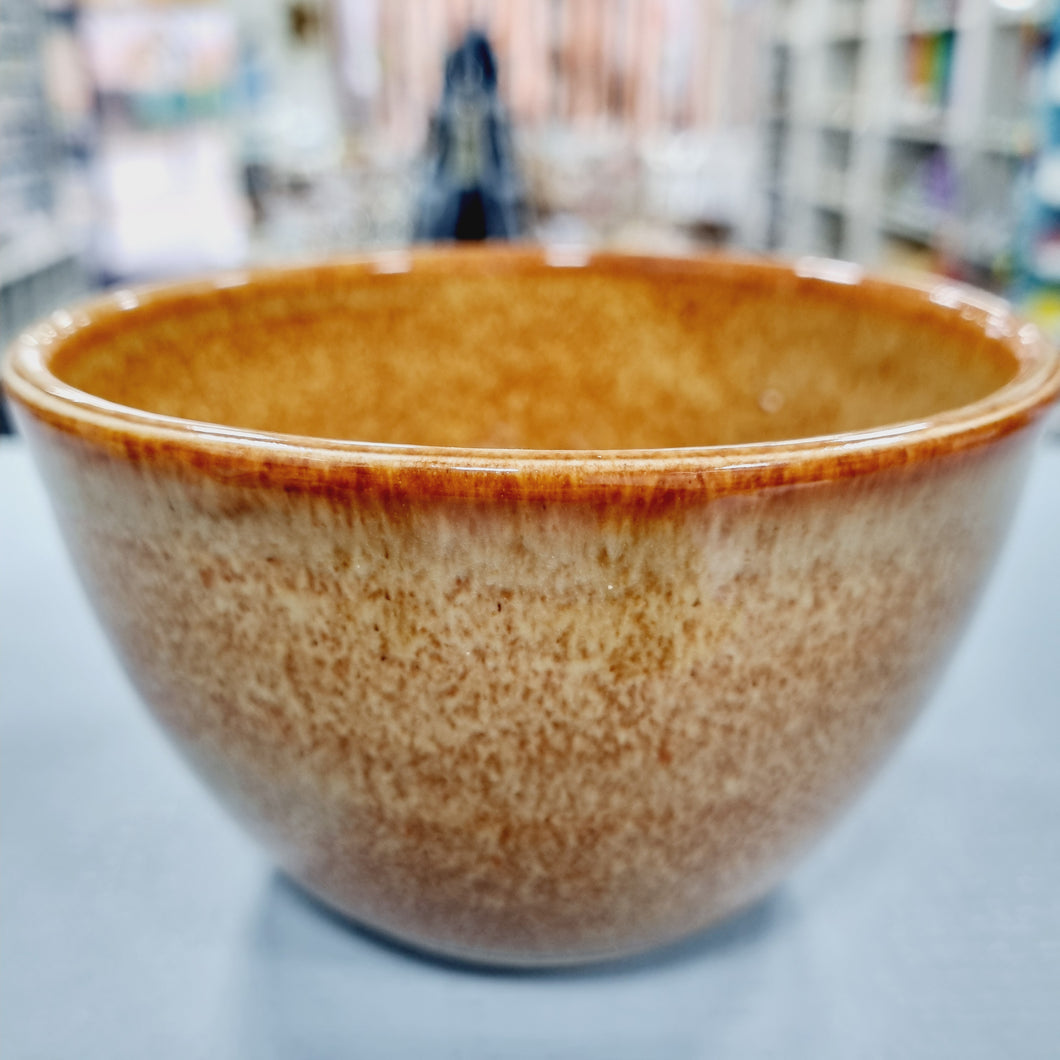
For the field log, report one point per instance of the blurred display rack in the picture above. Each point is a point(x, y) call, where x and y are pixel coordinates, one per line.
point(26, 148)
point(40, 255)
point(38, 269)
point(1038, 248)
point(899, 132)
point(140, 101)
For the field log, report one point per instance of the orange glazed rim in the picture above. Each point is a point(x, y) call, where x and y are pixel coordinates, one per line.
point(234, 454)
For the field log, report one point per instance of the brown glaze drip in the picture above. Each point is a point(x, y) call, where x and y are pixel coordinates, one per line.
point(537, 357)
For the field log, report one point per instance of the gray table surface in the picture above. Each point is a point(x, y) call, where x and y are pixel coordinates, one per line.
point(137, 921)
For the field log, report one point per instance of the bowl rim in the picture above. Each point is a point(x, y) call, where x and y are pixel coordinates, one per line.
point(232, 453)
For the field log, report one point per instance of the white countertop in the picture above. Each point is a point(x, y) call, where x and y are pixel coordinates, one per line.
point(138, 922)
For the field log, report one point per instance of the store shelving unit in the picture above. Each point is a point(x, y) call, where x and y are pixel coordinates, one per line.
point(1038, 247)
point(34, 250)
point(39, 253)
point(165, 162)
point(898, 131)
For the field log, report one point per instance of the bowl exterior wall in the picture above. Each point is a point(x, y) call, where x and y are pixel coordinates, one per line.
point(525, 731)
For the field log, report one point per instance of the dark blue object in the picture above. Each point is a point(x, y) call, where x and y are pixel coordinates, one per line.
point(472, 190)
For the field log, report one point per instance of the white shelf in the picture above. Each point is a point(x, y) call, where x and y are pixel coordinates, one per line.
point(911, 135)
point(832, 192)
point(916, 225)
point(929, 27)
point(927, 133)
point(839, 119)
point(846, 25)
point(913, 117)
point(34, 251)
point(1015, 138)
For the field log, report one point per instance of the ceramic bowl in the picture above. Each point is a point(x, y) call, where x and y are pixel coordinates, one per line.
point(532, 607)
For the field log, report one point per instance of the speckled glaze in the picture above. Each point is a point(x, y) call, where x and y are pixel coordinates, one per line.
point(567, 699)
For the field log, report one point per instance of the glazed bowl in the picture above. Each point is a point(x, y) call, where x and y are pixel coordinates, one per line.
point(533, 607)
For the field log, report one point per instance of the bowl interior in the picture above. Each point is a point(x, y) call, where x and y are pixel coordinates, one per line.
point(511, 352)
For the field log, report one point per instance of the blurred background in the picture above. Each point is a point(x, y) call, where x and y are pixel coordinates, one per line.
point(141, 141)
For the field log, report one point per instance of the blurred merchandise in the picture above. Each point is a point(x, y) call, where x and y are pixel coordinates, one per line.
point(149, 139)
point(628, 120)
point(1038, 249)
point(471, 189)
point(40, 239)
point(178, 136)
point(900, 131)
point(165, 171)
point(928, 73)
point(315, 189)
point(169, 202)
